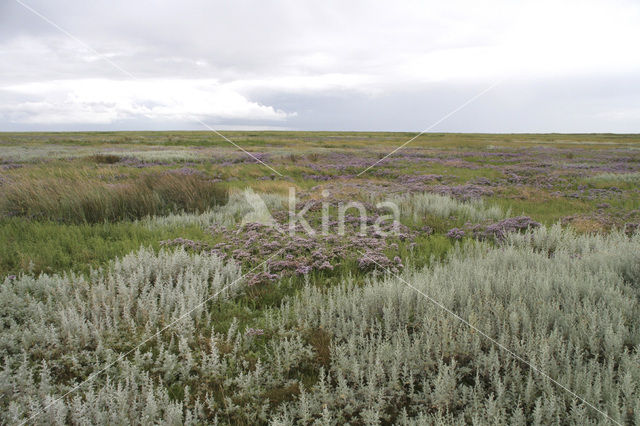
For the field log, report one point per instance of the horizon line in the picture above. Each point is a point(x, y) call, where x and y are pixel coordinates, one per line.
point(322, 131)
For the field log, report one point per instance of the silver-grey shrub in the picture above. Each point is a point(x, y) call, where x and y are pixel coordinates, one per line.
point(223, 215)
point(421, 204)
point(363, 353)
point(75, 326)
point(395, 355)
point(616, 177)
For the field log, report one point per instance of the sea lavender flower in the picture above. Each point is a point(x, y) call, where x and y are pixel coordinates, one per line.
point(512, 224)
point(261, 278)
point(303, 269)
point(325, 266)
point(373, 260)
point(455, 233)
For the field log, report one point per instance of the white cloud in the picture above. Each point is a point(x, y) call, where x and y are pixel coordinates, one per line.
point(106, 101)
point(360, 83)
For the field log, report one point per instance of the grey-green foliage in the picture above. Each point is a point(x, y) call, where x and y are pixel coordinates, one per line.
point(167, 155)
point(571, 311)
point(566, 303)
point(619, 177)
point(419, 205)
point(72, 326)
point(226, 215)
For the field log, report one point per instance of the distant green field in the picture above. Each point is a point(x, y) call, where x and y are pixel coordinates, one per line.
point(76, 178)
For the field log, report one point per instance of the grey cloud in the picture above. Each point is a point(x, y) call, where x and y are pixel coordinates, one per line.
point(330, 65)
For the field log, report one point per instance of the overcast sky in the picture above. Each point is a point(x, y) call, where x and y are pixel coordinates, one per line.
point(565, 66)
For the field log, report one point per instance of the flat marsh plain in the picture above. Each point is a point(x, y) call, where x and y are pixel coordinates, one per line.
point(136, 288)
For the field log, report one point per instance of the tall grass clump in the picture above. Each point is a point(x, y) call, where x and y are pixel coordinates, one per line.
point(90, 201)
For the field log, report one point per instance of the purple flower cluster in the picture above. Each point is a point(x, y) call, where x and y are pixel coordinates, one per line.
point(585, 193)
point(371, 260)
point(413, 180)
point(496, 230)
point(455, 233)
point(140, 164)
point(499, 229)
point(186, 171)
point(483, 181)
point(286, 253)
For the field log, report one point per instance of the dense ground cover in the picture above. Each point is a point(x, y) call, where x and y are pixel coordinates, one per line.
point(143, 238)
